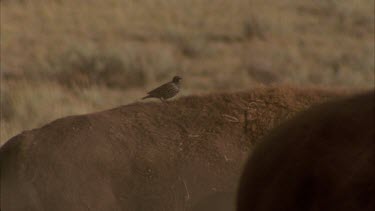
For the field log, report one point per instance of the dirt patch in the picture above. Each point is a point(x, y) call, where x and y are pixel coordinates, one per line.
point(144, 156)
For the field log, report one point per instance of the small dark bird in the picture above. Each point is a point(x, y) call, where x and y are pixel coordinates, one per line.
point(166, 91)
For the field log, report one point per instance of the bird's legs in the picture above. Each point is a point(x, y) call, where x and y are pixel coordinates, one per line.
point(164, 101)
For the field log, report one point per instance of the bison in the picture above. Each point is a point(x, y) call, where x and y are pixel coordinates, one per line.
point(323, 159)
point(144, 156)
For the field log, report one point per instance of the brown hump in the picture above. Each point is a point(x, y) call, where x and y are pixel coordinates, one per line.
point(323, 159)
point(144, 156)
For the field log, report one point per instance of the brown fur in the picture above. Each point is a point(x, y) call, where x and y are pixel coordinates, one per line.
point(144, 156)
point(218, 201)
point(323, 159)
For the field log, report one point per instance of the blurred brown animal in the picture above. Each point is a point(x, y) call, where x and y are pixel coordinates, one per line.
point(323, 159)
point(143, 156)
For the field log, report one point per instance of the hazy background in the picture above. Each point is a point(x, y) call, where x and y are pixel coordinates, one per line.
point(63, 57)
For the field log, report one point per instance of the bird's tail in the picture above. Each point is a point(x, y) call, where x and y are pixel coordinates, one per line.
point(148, 96)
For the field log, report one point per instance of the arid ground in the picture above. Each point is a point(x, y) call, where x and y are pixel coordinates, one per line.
point(69, 57)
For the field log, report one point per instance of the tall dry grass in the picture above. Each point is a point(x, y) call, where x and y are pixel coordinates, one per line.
point(71, 57)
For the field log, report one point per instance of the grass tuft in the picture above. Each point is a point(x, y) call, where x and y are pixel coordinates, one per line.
point(85, 68)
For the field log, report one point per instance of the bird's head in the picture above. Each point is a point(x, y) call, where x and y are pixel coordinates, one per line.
point(176, 79)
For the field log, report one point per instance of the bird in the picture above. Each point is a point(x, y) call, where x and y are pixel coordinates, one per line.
point(165, 91)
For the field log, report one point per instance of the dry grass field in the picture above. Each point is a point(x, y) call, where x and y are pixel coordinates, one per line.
point(73, 57)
